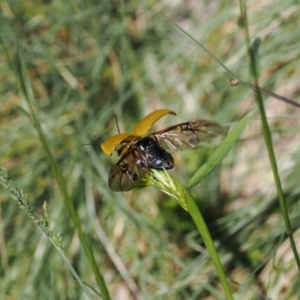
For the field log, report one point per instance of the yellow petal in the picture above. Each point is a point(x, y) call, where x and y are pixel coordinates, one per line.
point(144, 126)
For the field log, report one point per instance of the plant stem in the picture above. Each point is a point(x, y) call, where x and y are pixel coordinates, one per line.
point(267, 135)
point(204, 232)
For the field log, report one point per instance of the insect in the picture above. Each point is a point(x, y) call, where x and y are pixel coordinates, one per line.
point(140, 153)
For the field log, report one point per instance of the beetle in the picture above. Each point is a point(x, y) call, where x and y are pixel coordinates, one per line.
point(140, 152)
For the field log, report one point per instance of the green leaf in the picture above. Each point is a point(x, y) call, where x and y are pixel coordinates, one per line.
point(254, 63)
point(220, 152)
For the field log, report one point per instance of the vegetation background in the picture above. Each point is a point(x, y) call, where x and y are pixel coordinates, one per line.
point(88, 60)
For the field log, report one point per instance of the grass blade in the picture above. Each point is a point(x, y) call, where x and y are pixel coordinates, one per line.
point(220, 152)
point(27, 96)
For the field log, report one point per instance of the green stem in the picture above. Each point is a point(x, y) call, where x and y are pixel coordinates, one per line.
point(204, 232)
point(268, 136)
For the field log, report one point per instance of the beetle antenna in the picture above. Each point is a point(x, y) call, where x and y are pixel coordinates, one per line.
point(117, 123)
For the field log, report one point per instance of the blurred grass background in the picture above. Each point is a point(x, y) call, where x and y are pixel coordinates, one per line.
point(88, 60)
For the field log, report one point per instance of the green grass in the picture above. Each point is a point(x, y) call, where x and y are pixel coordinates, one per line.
point(82, 63)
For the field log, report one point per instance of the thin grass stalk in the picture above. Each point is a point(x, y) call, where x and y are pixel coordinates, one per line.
point(207, 239)
point(235, 80)
point(42, 222)
point(267, 133)
point(25, 92)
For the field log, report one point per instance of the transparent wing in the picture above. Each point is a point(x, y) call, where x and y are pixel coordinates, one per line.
point(126, 173)
point(187, 135)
